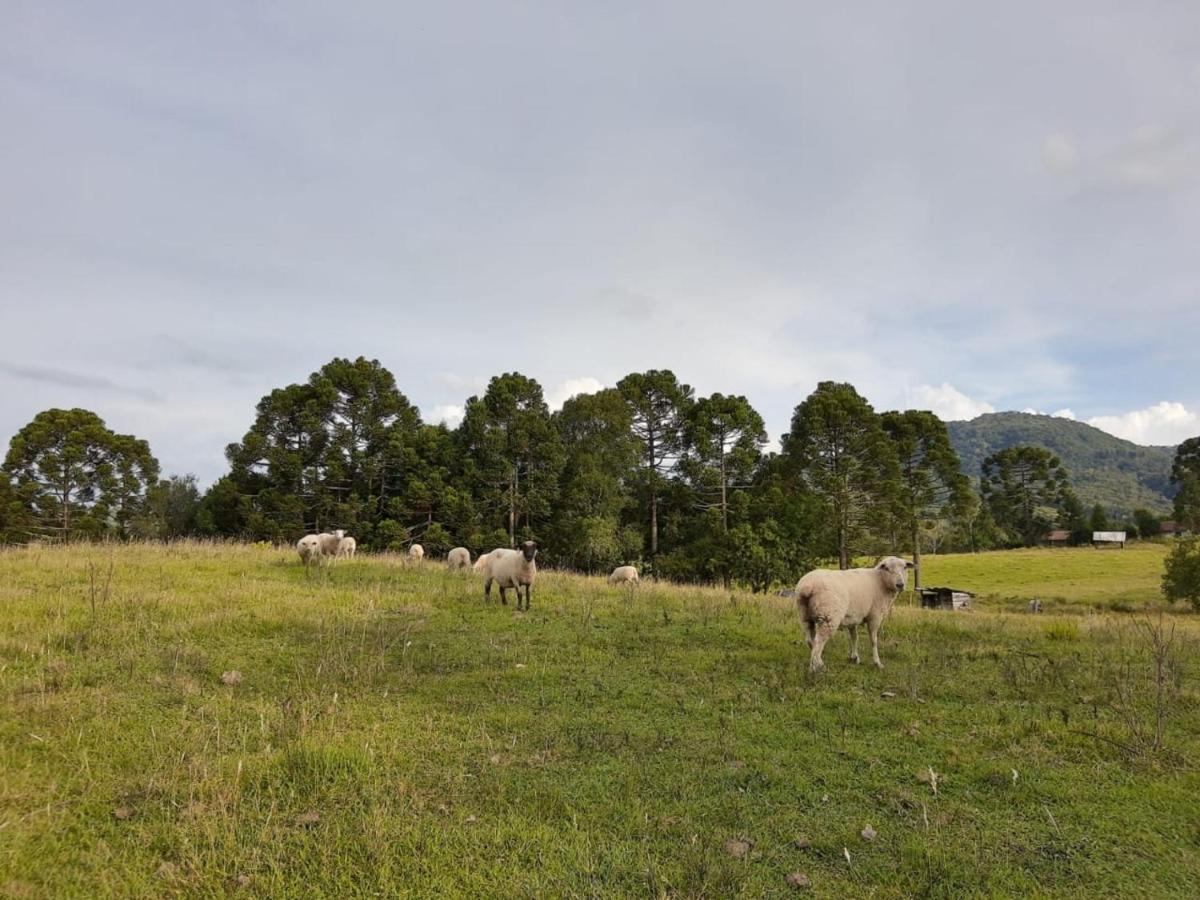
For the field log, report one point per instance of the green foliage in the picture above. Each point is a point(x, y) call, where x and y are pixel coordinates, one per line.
point(1104, 469)
point(1185, 475)
point(1099, 519)
point(1147, 523)
point(76, 478)
point(171, 510)
point(841, 453)
point(1028, 492)
point(1181, 577)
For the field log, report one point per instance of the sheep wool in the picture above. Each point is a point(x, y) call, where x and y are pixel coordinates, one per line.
point(623, 575)
point(458, 558)
point(416, 553)
point(511, 569)
point(828, 600)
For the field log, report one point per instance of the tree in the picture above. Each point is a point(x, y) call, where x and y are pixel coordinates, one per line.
point(171, 508)
point(14, 518)
point(658, 404)
point(1148, 524)
point(723, 439)
point(600, 463)
point(1027, 491)
point(840, 452)
point(515, 450)
point(75, 476)
point(1099, 519)
point(1181, 575)
point(1185, 474)
point(932, 486)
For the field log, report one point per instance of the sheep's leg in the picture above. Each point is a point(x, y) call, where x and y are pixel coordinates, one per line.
point(487, 591)
point(824, 631)
point(809, 631)
point(528, 588)
point(854, 644)
point(873, 627)
point(504, 595)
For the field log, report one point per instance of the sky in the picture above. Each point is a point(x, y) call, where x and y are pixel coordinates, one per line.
point(953, 206)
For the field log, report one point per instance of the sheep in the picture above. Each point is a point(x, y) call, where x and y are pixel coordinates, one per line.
point(309, 548)
point(331, 543)
point(828, 600)
point(511, 568)
point(481, 563)
point(458, 558)
point(416, 553)
point(1035, 606)
point(623, 575)
point(347, 548)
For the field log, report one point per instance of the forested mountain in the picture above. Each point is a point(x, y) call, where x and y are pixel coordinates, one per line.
point(1115, 473)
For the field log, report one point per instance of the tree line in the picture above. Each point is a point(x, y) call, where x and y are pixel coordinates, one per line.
point(644, 472)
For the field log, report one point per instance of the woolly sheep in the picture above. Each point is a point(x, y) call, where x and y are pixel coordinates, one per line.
point(416, 553)
point(829, 600)
point(458, 558)
point(511, 569)
point(331, 543)
point(481, 563)
point(309, 548)
point(347, 548)
point(623, 575)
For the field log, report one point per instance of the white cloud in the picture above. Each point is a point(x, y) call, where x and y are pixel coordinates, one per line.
point(451, 414)
point(1163, 423)
point(561, 393)
point(1060, 154)
point(948, 402)
point(1064, 414)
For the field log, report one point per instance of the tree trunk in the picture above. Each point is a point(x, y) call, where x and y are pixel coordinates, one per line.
point(653, 496)
point(512, 508)
point(724, 499)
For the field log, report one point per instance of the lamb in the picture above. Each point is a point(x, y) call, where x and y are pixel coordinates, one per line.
point(458, 558)
point(347, 548)
point(481, 563)
point(623, 575)
point(828, 600)
point(416, 553)
point(511, 568)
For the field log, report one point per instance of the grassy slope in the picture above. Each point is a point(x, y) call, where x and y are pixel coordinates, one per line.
point(598, 746)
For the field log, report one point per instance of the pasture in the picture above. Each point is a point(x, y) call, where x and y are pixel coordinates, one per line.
point(208, 720)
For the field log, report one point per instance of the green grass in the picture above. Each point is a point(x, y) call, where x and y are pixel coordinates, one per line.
point(607, 743)
point(1065, 578)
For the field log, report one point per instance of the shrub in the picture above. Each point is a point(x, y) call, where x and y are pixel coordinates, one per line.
point(1181, 578)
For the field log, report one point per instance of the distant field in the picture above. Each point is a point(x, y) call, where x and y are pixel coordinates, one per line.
point(392, 736)
point(1084, 576)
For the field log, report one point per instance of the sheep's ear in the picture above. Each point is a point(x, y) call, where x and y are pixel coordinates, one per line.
point(909, 565)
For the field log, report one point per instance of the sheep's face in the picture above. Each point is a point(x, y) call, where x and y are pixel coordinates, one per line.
point(895, 570)
point(529, 550)
point(339, 533)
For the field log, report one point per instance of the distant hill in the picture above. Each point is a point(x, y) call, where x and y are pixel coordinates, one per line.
point(1104, 469)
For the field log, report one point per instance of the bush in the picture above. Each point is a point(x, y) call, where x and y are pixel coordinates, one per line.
point(1181, 579)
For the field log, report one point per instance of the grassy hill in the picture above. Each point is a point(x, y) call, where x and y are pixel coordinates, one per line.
point(389, 734)
point(1116, 473)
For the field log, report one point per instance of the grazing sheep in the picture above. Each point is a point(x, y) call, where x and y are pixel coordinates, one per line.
point(1035, 606)
point(416, 553)
point(347, 548)
point(481, 563)
point(511, 569)
point(458, 558)
point(309, 548)
point(623, 575)
point(829, 600)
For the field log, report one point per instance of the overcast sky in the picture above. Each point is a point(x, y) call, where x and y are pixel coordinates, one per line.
point(955, 206)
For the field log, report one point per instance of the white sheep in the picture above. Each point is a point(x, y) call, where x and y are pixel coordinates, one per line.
point(416, 553)
point(481, 563)
point(347, 548)
point(828, 600)
point(623, 575)
point(331, 543)
point(309, 548)
point(458, 558)
point(511, 569)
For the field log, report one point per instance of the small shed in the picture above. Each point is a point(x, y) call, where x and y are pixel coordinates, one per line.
point(1171, 528)
point(1108, 538)
point(945, 598)
point(1060, 537)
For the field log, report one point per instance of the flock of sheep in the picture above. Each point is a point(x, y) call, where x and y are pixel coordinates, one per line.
point(826, 600)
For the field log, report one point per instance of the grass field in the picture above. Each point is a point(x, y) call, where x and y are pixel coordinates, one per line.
point(392, 736)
